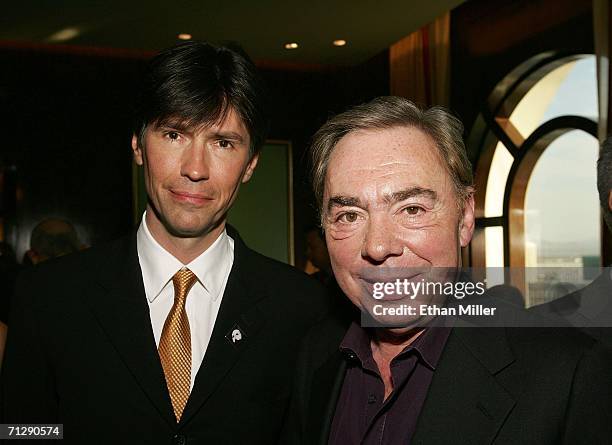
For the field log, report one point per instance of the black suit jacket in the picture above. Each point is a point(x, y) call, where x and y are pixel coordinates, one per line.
point(81, 352)
point(589, 309)
point(492, 386)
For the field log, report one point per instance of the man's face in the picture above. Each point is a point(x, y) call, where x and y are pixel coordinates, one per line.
point(192, 175)
point(390, 208)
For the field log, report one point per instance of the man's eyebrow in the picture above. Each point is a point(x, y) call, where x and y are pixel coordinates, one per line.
point(343, 201)
point(232, 135)
point(173, 124)
point(411, 192)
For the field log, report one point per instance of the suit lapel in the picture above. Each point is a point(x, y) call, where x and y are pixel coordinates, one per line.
point(326, 387)
point(119, 303)
point(327, 378)
point(464, 396)
point(238, 310)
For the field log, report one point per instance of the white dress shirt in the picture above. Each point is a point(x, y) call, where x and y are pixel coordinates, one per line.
point(212, 268)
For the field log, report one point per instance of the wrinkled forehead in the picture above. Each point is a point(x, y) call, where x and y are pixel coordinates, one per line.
point(378, 163)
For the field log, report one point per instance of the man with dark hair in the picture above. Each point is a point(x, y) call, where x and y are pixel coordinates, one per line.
point(178, 333)
point(395, 193)
point(590, 308)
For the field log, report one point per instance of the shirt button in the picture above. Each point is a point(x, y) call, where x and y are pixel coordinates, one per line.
point(371, 399)
point(179, 439)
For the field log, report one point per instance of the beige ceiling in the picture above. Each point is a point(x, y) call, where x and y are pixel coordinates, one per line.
point(262, 27)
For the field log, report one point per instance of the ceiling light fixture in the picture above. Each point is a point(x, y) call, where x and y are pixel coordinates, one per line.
point(184, 36)
point(339, 42)
point(64, 35)
point(291, 45)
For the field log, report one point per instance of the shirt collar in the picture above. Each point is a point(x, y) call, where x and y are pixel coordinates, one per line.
point(159, 266)
point(428, 346)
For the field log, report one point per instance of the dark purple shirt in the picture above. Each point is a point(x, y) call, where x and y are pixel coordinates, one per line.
point(362, 415)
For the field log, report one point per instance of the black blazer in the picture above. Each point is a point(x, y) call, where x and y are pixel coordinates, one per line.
point(492, 386)
point(81, 352)
point(589, 309)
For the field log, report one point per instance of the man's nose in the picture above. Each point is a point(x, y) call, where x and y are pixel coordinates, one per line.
point(195, 163)
point(381, 241)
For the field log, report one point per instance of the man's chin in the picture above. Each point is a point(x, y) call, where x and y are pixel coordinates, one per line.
point(182, 229)
point(401, 314)
point(191, 226)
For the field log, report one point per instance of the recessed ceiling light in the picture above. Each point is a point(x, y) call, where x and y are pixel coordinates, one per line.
point(184, 36)
point(291, 45)
point(339, 42)
point(64, 34)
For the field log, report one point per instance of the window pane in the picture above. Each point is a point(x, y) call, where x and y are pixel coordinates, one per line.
point(562, 216)
point(494, 247)
point(496, 182)
point(570, 89)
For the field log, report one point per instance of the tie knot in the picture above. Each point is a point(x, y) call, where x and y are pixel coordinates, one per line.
point(183, 280)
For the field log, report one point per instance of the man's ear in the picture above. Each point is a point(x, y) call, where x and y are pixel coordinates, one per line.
point(250, 168)
point(466, 225)
point(610, 200)
point(137, 150)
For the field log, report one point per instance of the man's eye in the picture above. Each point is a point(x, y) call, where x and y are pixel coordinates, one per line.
point(413, 210)
point(224, 143)
point(348, 217)
point(173, 135)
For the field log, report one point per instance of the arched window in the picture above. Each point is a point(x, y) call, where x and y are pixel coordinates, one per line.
point(536, 200)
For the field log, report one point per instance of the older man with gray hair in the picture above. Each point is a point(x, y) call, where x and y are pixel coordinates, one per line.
point(395, 192)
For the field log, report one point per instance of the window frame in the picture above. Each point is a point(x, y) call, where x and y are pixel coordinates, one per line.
point(493, 125)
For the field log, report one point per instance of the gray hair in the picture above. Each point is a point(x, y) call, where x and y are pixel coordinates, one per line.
point(387, 112)
point(604, 179)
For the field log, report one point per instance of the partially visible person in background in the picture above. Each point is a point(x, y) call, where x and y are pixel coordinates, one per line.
point(52, 238)
point(9, 268)
point(317, 254)
point(604, 181)
point(590, 308)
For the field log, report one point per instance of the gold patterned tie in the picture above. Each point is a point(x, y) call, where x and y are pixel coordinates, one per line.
point(175, 344)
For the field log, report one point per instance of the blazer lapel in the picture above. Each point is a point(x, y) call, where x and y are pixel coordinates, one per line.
point(464, 396)
point(326, 387)
point(119, 304)
point(238, 310)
